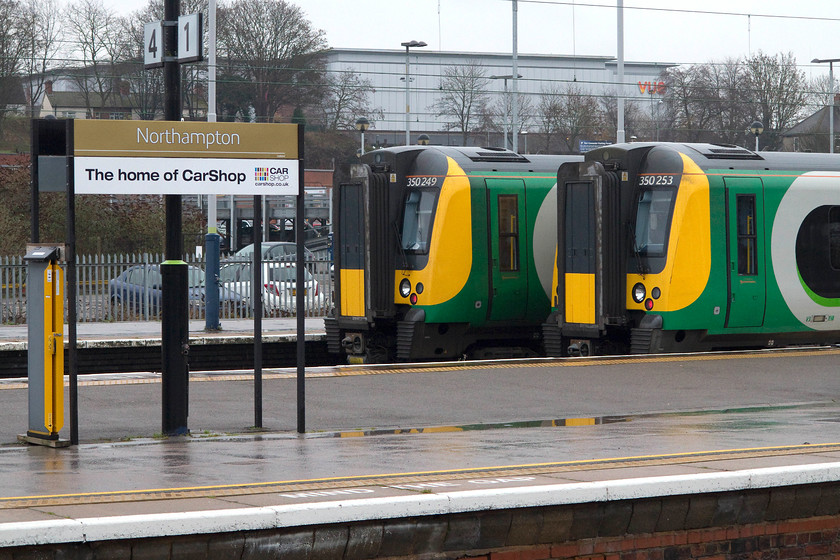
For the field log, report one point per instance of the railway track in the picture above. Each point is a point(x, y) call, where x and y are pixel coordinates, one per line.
point(119, 356)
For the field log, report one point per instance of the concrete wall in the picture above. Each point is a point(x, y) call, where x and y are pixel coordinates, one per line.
point(794, 521)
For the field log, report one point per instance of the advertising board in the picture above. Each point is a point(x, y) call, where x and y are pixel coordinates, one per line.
point(164, 157)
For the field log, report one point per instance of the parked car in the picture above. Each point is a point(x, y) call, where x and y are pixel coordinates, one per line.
point(279, 291)
point(139, 288)
point(272, 251)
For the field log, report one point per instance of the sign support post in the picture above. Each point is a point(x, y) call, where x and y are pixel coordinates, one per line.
point(175, 315)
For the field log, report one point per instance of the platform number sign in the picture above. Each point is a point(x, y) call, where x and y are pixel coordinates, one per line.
point(190, 35)
point(190, 41)
point(153, 44)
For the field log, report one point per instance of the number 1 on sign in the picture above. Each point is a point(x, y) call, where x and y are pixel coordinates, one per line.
point(189, 40)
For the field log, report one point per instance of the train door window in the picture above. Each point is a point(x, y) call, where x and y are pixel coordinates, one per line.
point(747, 238)
point(508, 232)
point(417, 220)
point(834, 236)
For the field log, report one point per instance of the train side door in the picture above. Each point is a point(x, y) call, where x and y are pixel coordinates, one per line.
point(745, 238)
point(508, 249)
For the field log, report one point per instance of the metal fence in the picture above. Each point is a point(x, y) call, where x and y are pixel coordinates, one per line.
point(102, 293)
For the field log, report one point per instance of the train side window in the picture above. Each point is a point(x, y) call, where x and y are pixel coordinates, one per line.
point(747, 238)
point(834, 236)
point(508, 232)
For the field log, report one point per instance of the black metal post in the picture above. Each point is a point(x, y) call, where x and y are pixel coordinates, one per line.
point(301, 323)
point(34, 203)
point(256, 297)
point(175, 305)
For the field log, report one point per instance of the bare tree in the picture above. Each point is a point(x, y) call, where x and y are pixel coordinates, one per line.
point(273, 49)
point(346, 99)
point(819, 93)
point(98, 34)
point(463, 97)
point(693, 102)
point(500, 114)
point(566, 116)
point(609, 109)
point(716, 102)
point(42, 19)
point(13, 43)
point(778, 90)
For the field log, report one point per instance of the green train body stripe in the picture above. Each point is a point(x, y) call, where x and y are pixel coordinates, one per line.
point(818, 299)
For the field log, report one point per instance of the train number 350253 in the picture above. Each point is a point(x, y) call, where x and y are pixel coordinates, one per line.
point(657, 180)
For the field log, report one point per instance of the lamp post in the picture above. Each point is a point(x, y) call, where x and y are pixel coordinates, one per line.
point(362, 124)
point(756, 128)
point(408, 45)
point(831, 62)
point(505, 78)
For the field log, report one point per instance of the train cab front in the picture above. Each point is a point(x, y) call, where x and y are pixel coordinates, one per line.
point(633, 251)
point(383, 213)
point(598, 246)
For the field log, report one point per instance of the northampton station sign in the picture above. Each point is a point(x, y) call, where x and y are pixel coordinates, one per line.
point(166, 157)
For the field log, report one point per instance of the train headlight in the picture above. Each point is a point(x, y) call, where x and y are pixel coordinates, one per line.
point(639, 292)
point(405, 287)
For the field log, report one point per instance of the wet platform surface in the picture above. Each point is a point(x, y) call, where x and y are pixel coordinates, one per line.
point(396, 432)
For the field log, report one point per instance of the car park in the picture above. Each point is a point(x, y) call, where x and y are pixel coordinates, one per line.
point(139, 288)
point(279, 286)
point(273, 251)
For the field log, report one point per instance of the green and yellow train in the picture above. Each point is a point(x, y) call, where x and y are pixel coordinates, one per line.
point(685, 247)
point(443, 252)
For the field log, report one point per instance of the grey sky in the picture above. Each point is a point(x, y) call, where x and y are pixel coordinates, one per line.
point(681, 31)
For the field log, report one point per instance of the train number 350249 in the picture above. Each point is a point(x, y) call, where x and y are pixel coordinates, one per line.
point(421, 181)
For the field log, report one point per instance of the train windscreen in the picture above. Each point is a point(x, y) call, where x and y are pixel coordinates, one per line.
point(418, 220)
point(653, 216)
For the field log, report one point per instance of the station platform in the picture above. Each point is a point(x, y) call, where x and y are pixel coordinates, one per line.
point(15, 336)
point(448, 460)
point(136, 346)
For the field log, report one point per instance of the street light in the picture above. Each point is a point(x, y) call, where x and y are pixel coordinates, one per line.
point(362, 124)
point(505, 78)
point(408, 45)
point(831, 62)
point(756, 128)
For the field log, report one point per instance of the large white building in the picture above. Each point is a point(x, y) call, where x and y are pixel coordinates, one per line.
point(386, 70)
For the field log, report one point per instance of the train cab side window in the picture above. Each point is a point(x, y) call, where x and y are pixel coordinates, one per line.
point(508, 232)
point(747, 239)
point(417, 221)
point(834, 236)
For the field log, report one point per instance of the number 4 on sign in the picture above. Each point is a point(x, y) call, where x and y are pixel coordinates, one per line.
point(153, 44)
